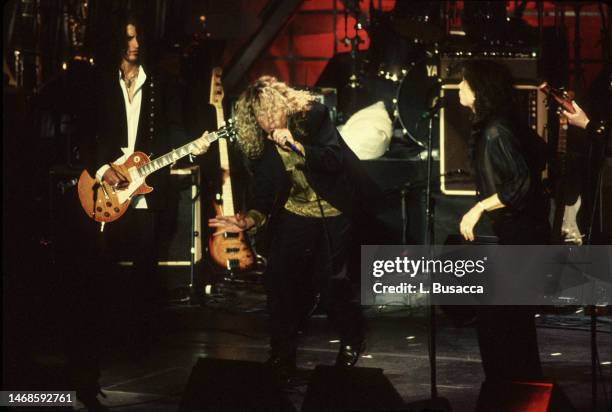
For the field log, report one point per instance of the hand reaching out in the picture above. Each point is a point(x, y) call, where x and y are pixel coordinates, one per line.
point(231, 224)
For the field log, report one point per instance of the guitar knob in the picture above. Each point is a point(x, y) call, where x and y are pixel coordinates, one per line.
point(98, 209)
point(116, 210)
point(106, 214)
point(109, 204)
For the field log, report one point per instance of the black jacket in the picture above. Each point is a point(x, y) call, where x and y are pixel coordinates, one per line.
point(504, 162)
point(331, 169)
point(160, 125)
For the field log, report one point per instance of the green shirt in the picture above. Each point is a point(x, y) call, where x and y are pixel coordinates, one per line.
point(302, 198)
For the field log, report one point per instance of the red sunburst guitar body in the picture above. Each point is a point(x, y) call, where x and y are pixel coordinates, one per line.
point(102, 202)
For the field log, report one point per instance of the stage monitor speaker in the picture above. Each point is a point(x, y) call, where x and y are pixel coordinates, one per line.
point(334, 388)
point(455, 131)
point(522, 396)
point(182, 228)
point(220, 385)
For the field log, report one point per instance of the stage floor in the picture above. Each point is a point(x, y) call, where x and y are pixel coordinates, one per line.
point(234, 328)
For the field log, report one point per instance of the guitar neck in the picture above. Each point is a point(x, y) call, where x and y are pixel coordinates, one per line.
point(562, 141)
point(226, 188)
point(171, 157)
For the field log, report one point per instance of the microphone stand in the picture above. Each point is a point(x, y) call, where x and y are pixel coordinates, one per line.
point(436, 403)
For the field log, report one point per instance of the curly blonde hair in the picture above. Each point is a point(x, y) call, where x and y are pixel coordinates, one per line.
point(265, 96)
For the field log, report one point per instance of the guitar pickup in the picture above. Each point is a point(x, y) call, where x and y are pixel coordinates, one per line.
point(233, 264)
point(232, 250)
point(230, 235)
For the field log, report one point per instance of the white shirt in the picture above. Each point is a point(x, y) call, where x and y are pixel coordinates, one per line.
point(132, 113)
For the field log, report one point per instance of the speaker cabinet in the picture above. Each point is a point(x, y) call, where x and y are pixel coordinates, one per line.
point(522, 67)
point(455, 131)
point(183, 228)
point(350, 389)
point(219, 385)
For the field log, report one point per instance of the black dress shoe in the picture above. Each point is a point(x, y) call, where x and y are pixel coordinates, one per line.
point(91, 402)
point(282, 367)
point(348, 355)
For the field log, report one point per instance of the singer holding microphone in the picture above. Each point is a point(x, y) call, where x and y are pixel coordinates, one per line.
point(307, 190)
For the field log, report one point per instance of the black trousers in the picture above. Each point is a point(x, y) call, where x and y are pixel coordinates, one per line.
point(110, 308)
point(289, 287)
point(507, 334)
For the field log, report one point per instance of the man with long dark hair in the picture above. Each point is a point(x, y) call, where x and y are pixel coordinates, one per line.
point(508, 182)
point(133, 108)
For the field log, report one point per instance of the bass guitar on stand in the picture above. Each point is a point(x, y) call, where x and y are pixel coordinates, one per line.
point(231, 251)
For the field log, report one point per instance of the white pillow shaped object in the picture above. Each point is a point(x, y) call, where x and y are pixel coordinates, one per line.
point(368, 131)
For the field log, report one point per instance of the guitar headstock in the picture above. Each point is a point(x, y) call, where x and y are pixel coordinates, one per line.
point(561, 96)
point(228, 131)
point(216, 88)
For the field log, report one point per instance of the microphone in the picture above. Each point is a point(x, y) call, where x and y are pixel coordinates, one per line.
point(290, 145)
point(440, 103)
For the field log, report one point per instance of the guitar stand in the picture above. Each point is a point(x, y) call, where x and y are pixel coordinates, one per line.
point(593, 312)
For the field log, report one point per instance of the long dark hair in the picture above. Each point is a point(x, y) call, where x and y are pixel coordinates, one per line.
point(492, 85)
point(113, 41)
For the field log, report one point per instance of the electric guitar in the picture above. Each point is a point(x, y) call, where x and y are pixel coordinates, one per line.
point(105, 203)
point(565, 228)
point(231, 251)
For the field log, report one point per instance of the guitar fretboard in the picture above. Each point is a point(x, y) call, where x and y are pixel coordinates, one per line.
point(173, 156)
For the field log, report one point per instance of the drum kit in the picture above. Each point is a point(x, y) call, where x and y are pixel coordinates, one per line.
point(402, 66)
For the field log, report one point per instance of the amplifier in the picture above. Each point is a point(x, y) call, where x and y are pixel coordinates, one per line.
point(184, 241)
point(455, 130)
point(522, 66)
point(329, 97)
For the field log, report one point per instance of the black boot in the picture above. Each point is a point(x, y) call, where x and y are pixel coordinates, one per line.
point(89, 398)
point(282, 367)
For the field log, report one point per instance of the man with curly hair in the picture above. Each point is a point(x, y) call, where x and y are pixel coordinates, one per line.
point(308, 188)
